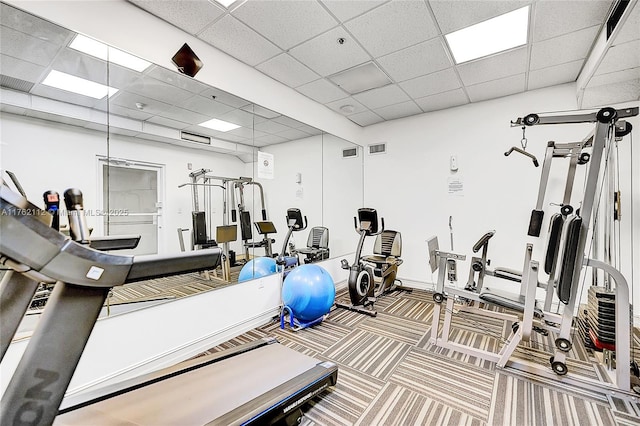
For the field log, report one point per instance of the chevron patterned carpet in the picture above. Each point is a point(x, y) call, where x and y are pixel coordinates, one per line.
point(389, 374)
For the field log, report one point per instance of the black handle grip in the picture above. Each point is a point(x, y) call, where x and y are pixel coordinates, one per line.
point(73, 199)
point(52, 204)
point(264, 214)
point(233, 215)
point(535, 223)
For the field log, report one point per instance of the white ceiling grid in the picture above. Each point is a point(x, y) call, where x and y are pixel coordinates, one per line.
point(405, 38)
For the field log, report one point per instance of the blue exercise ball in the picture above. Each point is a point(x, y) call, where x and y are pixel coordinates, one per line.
point(257, 268)
point(309, 292)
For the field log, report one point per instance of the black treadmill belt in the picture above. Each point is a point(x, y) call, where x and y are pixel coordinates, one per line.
point(200, 396)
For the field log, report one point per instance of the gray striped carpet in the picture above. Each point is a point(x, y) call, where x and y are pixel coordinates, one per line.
point(390, 375)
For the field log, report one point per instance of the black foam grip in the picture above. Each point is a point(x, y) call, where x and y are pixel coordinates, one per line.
point(535, 223)
point(570, 259)
point(52, 204)
point(73, 199)
point(482, 241)
point(264, 214)
point(233, 215)
point(555, 234)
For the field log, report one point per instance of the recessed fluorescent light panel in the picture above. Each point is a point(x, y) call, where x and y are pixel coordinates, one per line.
point(491, 36)
point(219, 125)
point(78, 85)
point(102, 51)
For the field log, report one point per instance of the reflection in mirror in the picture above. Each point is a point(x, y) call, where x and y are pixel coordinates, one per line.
point(145, 150)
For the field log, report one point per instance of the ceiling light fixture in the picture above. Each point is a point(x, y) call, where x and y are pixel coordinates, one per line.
point(78, 85)
point(219, 125)
point(491, 36)
point(347, 109)
point(107, 53)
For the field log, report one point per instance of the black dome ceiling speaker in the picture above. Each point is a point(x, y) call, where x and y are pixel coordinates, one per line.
point(187, 61)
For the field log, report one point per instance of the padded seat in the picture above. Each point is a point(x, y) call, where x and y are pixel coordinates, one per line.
point(507, 300)
point(386, 255)
point(317, 245)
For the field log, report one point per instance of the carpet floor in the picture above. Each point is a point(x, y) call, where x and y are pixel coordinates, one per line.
point(389, 373)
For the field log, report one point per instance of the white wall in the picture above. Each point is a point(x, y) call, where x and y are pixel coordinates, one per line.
point(408, 185)
point(330, 192)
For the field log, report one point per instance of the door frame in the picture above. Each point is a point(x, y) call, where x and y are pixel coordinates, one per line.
point(102, 160)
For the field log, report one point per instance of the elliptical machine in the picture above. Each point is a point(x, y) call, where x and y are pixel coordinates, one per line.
point(363, 289)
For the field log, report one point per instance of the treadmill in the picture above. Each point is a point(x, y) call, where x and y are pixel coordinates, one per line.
point(261, 382)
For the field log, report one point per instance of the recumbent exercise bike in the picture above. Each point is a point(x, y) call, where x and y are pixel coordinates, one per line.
point(375, 275)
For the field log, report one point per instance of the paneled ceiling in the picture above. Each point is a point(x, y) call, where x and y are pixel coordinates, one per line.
point(298, 43)
point(156, 104)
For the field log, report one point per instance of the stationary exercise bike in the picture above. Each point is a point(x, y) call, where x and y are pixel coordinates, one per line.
point(295, 223)
point(373, 276)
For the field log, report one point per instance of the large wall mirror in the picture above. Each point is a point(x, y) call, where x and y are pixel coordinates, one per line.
point(143, 146)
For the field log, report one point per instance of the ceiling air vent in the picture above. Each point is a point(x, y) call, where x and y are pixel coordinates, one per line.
point(380, 148)
point(350, 152)
point(194, 137)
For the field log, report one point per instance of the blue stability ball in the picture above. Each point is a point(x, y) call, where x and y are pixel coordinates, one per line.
point(257, 268)
point(309, 291)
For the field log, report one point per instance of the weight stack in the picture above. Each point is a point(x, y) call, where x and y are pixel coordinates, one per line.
point(583, 327)
point(601, 318)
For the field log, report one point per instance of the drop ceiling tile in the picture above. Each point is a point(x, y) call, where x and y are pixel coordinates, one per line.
point(225, 98)
point(326, 56)
point(129, 100)
point(269, 140)
point(189, 15)
point(403, 109)
point(496, 66)
point(33, 25)
point(185, 115)
point(85, 66)
point(322, 91)
point(246, 133)
point(611, 94)
point(614, 77)
point(562, 49)
point(293, 134)
point(287, 70)
point(438, 82)
point(393, 26)
point(423, 58)
point(285, 23)
point(239, 117)
point(23, 70)
point(175, 78)
point(155, 89)
point(261, 112)
point(167, 122)
point(26, 47)
point(269, 126)
point(444, 100)
point(357, 106)
point(557, 74)
point(134, 114)
point(287, 121)
point(621, 57)
point(454, 15)
point(345, 10)
point(554, 18)
point(204, 105)
point(631, 28)
point(383, 96)
point(235, 38)
point(496, 88)
point(311, 130)
point(365, 118)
